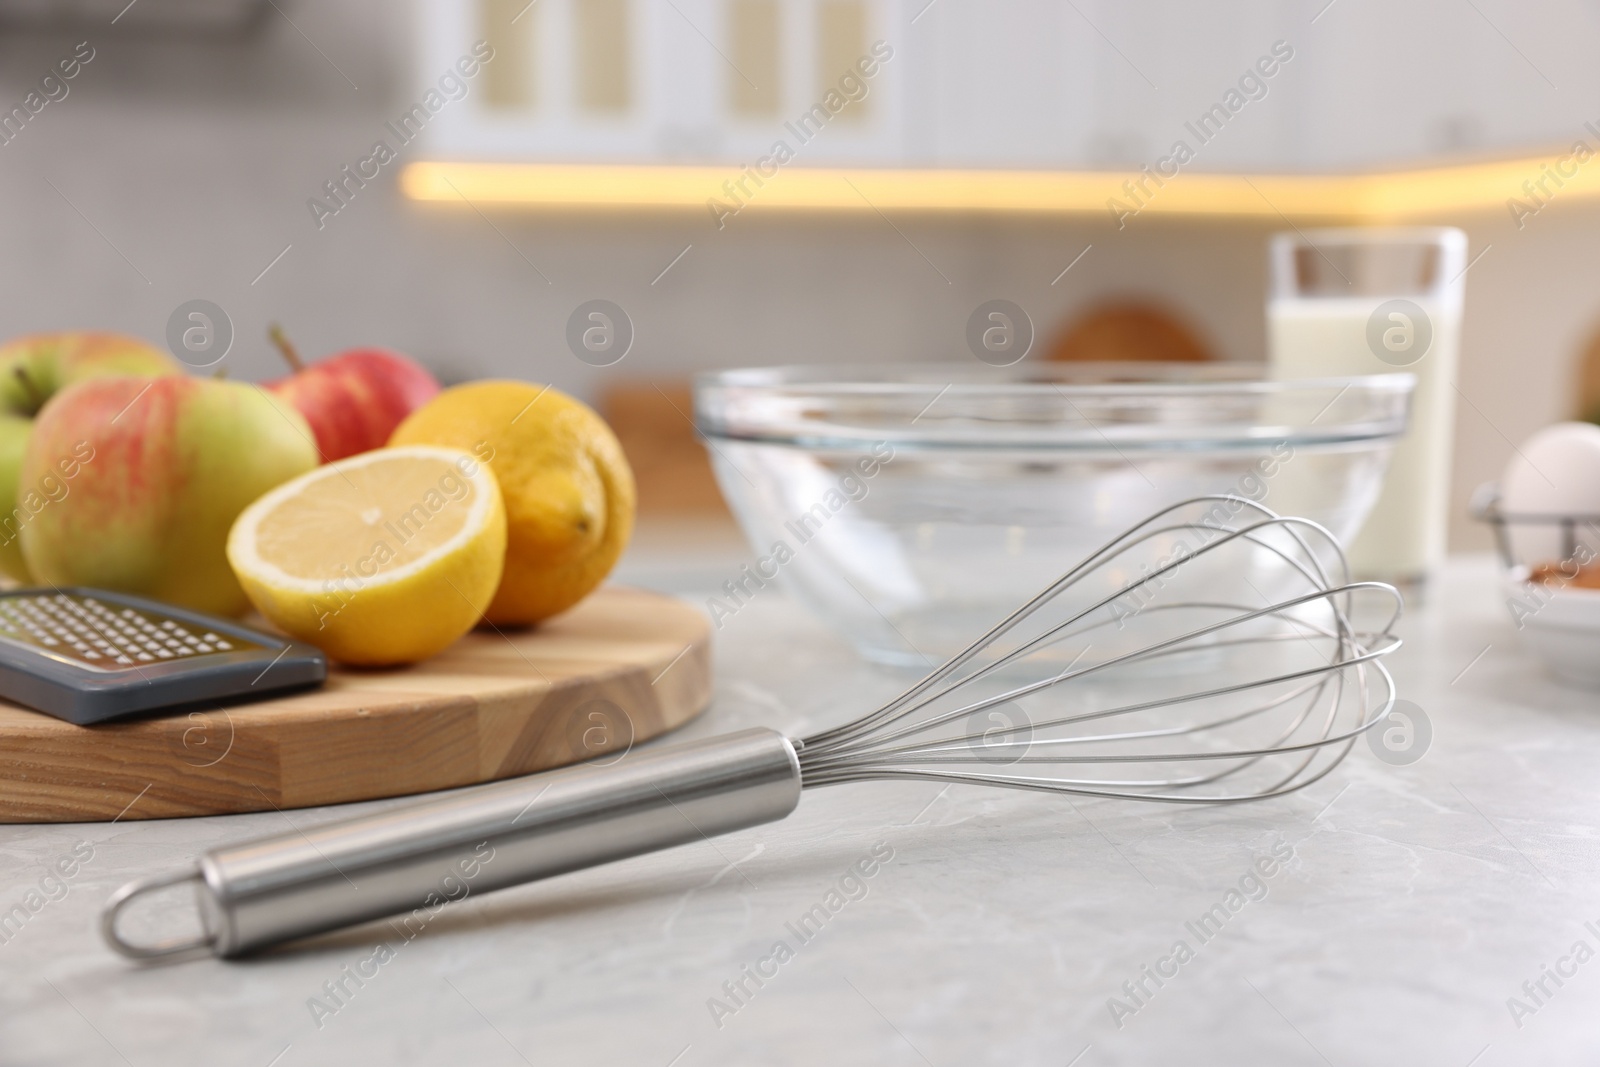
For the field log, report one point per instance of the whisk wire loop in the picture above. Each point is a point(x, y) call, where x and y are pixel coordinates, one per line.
point(1142, 532)
point(1302, 681)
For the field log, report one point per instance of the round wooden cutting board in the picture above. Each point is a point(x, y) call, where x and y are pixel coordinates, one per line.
point(621, 667)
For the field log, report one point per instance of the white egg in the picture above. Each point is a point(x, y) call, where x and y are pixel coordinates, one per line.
point(1555, 472)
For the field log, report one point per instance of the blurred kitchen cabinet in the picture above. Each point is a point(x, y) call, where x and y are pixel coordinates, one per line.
point(689, 81)
point(1250, 85)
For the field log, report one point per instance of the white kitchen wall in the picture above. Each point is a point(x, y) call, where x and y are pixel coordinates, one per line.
point(179, 169)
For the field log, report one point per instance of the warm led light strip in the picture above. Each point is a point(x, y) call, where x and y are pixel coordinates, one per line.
point(1376, 196)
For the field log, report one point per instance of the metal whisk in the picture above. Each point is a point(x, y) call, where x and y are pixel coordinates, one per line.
point(1209, 654)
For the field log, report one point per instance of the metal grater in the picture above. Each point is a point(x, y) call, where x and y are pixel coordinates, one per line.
point(87, 655)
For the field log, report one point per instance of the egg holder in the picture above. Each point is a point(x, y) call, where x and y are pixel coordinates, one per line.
point(1560, 623)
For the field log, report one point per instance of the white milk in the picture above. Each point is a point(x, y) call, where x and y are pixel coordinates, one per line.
point(1308, 337)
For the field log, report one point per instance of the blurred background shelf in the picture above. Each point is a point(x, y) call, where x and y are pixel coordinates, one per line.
point(1379, 197)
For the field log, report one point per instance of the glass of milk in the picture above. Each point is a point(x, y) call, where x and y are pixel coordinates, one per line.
point(1381, 301)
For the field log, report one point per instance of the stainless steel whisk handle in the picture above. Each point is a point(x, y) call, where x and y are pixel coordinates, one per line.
point(415, 856)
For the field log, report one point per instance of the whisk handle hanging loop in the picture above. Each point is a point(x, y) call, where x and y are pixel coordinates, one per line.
point(409, 860)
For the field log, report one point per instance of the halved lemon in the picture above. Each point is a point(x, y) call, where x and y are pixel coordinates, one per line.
point(382, 558)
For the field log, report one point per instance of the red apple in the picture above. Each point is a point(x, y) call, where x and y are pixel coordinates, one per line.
point(355, 399)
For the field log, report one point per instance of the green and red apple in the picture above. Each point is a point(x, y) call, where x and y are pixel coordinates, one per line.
point(163, 466)
point(32, 370)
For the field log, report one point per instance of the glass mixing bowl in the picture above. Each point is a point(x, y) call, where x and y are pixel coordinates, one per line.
point(915, 506)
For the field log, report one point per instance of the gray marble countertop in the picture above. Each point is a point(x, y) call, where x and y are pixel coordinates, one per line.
point(1404, 908)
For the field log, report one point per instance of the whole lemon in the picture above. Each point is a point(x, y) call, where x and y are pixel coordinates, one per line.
point(569, 494)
